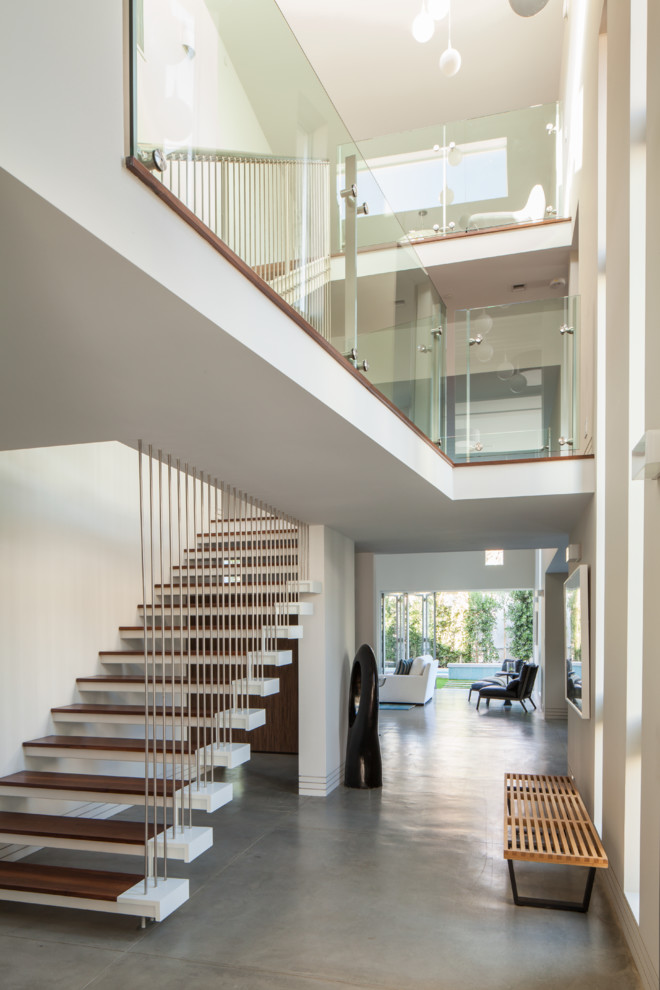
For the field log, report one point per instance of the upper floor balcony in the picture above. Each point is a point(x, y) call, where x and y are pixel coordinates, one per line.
point(239, 133)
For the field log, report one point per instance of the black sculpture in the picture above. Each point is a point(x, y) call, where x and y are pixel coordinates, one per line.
point(364, 767)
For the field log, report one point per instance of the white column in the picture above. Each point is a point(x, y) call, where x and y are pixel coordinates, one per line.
point(326, 654)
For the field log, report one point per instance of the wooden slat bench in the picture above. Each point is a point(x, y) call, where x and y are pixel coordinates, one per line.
point(545, 821)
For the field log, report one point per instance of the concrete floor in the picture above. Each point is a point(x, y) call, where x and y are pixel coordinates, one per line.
point(403, 888)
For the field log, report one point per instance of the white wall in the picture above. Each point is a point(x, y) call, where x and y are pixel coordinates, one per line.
point(613, 755)
point(465, 571)
point(366, 621)
point(326, 654)
point(549, 636)
point(69, 576)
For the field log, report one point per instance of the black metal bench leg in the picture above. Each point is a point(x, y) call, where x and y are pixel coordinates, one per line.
point(542, 902)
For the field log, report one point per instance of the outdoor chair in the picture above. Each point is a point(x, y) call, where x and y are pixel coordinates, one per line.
point(516, 690)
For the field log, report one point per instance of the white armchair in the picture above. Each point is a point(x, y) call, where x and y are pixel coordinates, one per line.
point(534, 209)
point(415, 688)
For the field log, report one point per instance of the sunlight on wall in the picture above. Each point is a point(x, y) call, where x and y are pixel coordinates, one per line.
point(637, 398)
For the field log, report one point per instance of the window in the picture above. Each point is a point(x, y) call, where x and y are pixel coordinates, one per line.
point(494, 558)
point(412, 181)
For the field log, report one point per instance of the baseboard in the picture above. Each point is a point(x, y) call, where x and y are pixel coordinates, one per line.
point(310, 786)
point(556, 713)
point(649, 977)
point(12, 853)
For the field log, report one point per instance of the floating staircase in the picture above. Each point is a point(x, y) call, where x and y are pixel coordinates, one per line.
point(219, 620)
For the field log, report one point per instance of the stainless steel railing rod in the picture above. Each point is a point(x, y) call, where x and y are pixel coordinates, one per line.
point(146, 668)
point(163, 684)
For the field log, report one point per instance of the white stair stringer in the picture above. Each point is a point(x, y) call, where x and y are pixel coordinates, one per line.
point(222, 755)
point(180, 637)
point(262, 687)
point(206, 796)
point(181, 614)
point(160, 900)
point(130, 718)
point(247, 718)
point(183, 845)
point(267, 658)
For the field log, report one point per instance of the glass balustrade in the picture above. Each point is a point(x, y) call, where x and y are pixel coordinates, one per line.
point(230, 116)
point(465, 176)
point(406, 365)
point(234, 122)
point(512, 384)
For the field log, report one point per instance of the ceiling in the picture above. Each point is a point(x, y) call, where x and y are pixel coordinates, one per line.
point(490, 281)
point(382, 81)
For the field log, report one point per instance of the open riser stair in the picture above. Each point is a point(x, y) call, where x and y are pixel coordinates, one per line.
point(222, 576)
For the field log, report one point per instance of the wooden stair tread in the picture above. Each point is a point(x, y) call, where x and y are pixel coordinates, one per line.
point(85, 782)
point(178, 654)
point(92, 829)
point(283, 620)
point(103, 743)
point(105, 709)
point(167, 680)
point(168, 712)
point(99, 885)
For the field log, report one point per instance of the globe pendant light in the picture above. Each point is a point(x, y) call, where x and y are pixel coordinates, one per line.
point(423, 26)
point(450, 60)
point(527, 8)
point(438, 9)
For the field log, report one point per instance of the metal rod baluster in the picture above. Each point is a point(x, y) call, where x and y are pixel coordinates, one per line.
point(208, 701)
point(197, 648)
point(201, 697)
point(146, 673)
point(180, 609)
point(232, 611)
point(243, 598)
point(163, 685)
point(219, 700)
point(171, 675)
point(256, 621)
point(188, 654)
point(226, 580)
point(152, 660)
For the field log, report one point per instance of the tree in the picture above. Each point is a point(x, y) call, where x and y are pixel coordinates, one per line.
point(480, 621)
point(520, 624)
point(451, 607)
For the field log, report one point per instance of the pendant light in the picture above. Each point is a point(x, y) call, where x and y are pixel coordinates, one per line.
point(450, 60)
point(527, 8)
point(423, 26)
point(438, 9)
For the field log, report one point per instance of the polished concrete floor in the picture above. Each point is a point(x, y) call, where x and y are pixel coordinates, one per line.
point(404, 888)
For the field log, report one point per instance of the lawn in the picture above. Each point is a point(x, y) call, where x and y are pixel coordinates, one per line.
point(441, 682)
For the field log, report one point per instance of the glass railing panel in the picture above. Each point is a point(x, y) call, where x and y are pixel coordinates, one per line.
point(501, 169)
point(513, 384)
point(237, 125)
point(468, 175)
point(405, 364)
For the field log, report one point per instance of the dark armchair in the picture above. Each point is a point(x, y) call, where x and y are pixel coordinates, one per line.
point(508, 667)
point(519, 689)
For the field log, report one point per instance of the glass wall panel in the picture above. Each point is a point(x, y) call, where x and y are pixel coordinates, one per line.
point(467, 175)
point(514, 388)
